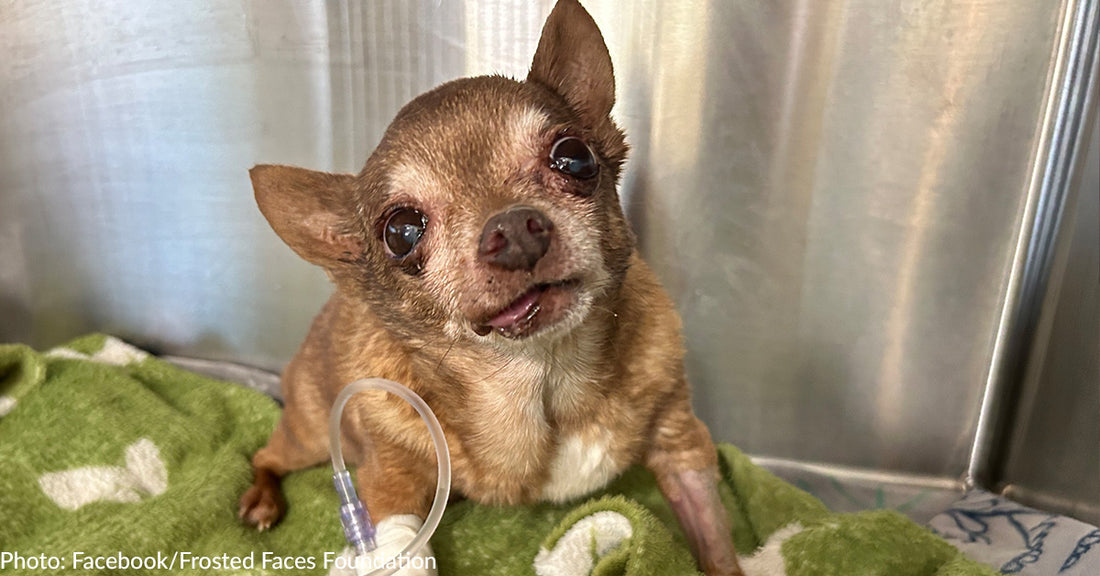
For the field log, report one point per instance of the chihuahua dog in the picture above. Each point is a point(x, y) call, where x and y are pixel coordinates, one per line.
point(481, 258)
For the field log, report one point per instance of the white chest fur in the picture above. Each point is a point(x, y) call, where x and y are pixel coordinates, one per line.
point(525, 394)
point(582, 465)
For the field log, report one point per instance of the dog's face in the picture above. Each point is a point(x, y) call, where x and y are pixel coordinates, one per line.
point(489, 210)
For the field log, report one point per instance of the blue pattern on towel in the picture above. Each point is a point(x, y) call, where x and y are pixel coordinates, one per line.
point(1083, 546)
point(1016, 539)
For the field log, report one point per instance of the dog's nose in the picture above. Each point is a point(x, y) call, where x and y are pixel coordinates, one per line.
point(515, 239)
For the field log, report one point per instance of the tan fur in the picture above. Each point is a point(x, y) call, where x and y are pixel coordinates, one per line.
point(600, 380)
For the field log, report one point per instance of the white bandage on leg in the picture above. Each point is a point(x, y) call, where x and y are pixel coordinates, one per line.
point(391, 537)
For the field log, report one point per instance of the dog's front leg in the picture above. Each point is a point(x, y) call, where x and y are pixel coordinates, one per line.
point(683, 459)
point(397, 488)
point(693, 495)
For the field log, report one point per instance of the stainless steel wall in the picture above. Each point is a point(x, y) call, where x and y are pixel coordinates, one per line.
point(833, 192)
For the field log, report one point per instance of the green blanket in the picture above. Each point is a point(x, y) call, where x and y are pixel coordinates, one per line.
point(114, 460)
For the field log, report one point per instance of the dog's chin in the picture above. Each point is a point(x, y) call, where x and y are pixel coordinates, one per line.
point(542, 310)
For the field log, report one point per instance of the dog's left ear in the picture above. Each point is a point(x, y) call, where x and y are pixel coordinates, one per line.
point(572, 60)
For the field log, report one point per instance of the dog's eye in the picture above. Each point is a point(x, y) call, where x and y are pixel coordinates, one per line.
point(571, 156)
point(404, 227)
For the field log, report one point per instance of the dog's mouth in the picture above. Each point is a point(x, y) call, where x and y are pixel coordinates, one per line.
point(540, 306)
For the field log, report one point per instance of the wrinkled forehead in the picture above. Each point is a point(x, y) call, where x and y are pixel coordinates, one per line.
point(465, 139)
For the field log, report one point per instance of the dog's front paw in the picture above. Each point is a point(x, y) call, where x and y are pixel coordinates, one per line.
point(262, 505)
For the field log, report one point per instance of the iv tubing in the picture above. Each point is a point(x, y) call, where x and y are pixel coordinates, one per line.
point(443, 483)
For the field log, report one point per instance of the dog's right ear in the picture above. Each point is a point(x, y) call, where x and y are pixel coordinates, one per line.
point(311, 211)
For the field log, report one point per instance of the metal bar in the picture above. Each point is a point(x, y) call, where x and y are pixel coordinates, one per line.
point(1062, 140)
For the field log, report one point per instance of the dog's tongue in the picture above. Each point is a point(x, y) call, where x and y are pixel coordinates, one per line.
point(516, 311)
